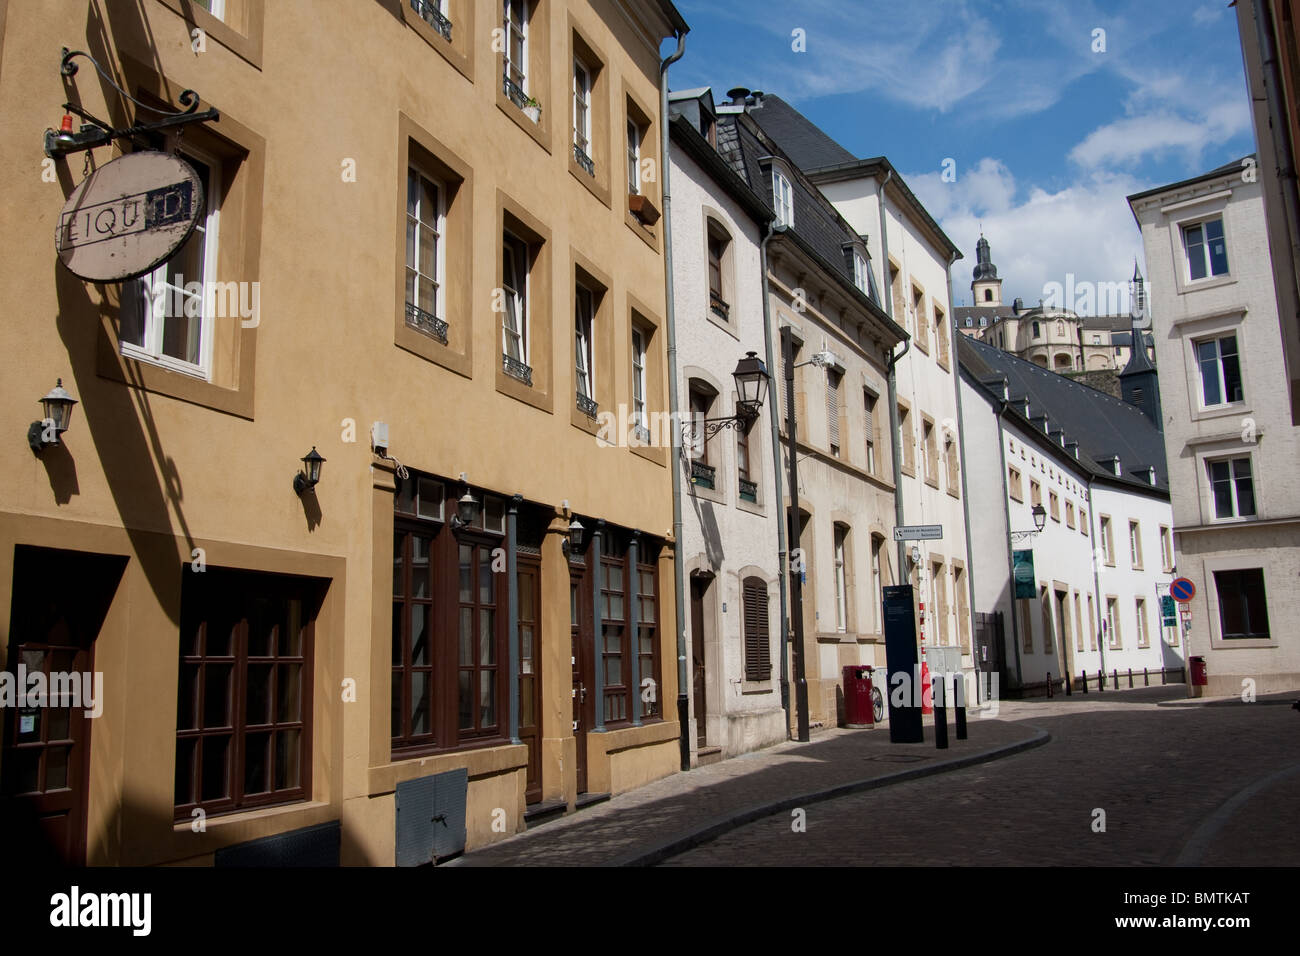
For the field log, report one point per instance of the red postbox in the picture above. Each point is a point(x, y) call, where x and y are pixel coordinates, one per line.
point(857, 697)
point(1199, 675)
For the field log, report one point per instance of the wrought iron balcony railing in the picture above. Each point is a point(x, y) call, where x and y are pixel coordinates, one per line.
point(517, 369)
point(426, 322)
point(748, 490)
point(431, 15)
point(702, 474)
point(514, 91)
point(719, 306)
point(582, 159)
point(587, 405)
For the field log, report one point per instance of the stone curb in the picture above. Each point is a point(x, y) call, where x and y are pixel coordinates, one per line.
point(720, 825)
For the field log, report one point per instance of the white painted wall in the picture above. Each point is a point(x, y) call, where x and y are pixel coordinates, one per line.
point(723, 534)
point(1242, 302)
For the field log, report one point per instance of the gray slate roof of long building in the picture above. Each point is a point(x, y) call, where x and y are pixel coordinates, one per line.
point(1103, 426)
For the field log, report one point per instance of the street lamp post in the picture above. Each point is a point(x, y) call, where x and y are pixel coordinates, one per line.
point(796, 574)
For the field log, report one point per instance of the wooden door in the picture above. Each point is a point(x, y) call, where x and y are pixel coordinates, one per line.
point(581, 656)
point(530, 676)
point(699, 588)
point(45, 764)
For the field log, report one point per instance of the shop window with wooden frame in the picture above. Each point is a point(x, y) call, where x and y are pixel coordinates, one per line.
point(244, 698)
point(626, 590)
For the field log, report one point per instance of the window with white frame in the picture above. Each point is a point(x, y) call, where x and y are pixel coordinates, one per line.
point(584, 372)
point(1142, 636)
point(425, 225)
point(841, 589)
point(514, 288)
point(877, 584)
point(1112, 622)
point(639, 420)
point(167, 316)
point(782, 199)
point(634, 136)
point(582, 116)
point(515, 33)
point(1166, 549)
point(1220, 369)
point(861, 277)
point(1206, 249)
point(1135, 544)
point(1232, 487)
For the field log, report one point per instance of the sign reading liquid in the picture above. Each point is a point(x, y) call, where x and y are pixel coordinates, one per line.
point(128, 217)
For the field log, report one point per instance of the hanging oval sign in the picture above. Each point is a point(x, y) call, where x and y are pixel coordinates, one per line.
point(129, 216)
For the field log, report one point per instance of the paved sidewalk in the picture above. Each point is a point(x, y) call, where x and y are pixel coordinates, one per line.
point(685, 809)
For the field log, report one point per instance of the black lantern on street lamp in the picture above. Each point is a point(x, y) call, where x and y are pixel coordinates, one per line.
point(57, 406)
point(751, 385)
point(309, 477)
point(1040, 516)
point(575, 536)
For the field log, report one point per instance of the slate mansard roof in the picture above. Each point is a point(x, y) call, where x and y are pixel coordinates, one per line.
point(1103, 426)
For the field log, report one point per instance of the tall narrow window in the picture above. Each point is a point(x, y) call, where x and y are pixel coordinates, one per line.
point(1112, 623)
point(1166, 549)
point(1142, 636)
point(748, 488)
point(702, 471)
point(1207, 251)
point(1135, 544)
point(163, 321)
point(515, 35)
point(717, 249)
point(782, 199)
point(425, 218)
point(584, 369)
point(758, 646)
point(478, 660)
point(1232, 488)
point(841, 589)
point(647, 632)
point(514, 315)
point(877, 582)
point(861, 275)
point(613, 620)
point(639, 420)
point(1220, 370)
point(634, 135)
point(582, 116)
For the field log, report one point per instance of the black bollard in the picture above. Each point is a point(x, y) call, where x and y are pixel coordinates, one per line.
point(1114, 676)
point(1130, 678)
point(1067, 681)
point(1101, 680)
point(959, 691)
point(1162, 676)
point(1083, 681)
point(1146, 678)
point(1049, 684)
point(940, 714)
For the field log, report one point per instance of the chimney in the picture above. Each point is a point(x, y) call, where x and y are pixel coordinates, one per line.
point(755, 99)
point(738, 95)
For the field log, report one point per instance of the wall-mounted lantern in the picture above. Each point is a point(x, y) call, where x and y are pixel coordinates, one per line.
point(57, 406)
point(309, 477)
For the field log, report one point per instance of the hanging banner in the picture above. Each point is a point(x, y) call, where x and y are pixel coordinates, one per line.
point(1168, 614)
point(1023, 574)
point(129, 216)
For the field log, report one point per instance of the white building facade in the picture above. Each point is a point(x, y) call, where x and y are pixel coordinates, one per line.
point(1228, 432)
point(729, 513)
point(1102, 560)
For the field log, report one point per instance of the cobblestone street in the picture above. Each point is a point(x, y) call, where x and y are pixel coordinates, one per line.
point(1179, 784)
point(1158, 773)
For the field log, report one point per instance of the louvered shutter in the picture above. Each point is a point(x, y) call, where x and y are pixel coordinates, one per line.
point(758, 655)
point(833, 408)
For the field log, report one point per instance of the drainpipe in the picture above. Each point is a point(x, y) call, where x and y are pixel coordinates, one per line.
point(512, 610)
point(894, 444)
point(1011, 561)
point(1096, 576)
point(961, 460)
point(778, 472)
point(679, 574)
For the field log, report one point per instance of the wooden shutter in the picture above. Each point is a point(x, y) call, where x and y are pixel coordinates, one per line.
point(758, 653)
point(833, 408)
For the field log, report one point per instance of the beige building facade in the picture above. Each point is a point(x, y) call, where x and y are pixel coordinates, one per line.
point(429, 236)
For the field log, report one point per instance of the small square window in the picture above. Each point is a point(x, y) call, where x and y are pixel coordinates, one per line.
point(1206, 249)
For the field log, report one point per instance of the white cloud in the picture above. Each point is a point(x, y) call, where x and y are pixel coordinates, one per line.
point(1085, 229)
point(1206, 14)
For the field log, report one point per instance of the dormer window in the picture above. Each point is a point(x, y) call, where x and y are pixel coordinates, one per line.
point(782, 199)
point(861, 277)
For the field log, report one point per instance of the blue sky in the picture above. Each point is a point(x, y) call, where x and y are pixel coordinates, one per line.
point(1048, 136)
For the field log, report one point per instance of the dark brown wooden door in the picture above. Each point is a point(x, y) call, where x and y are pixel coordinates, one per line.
point(582, 652)
point(60, 599)
point(699, 588)
point(530, 673)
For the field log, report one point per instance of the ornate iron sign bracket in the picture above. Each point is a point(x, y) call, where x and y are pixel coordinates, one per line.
point(96, 132)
